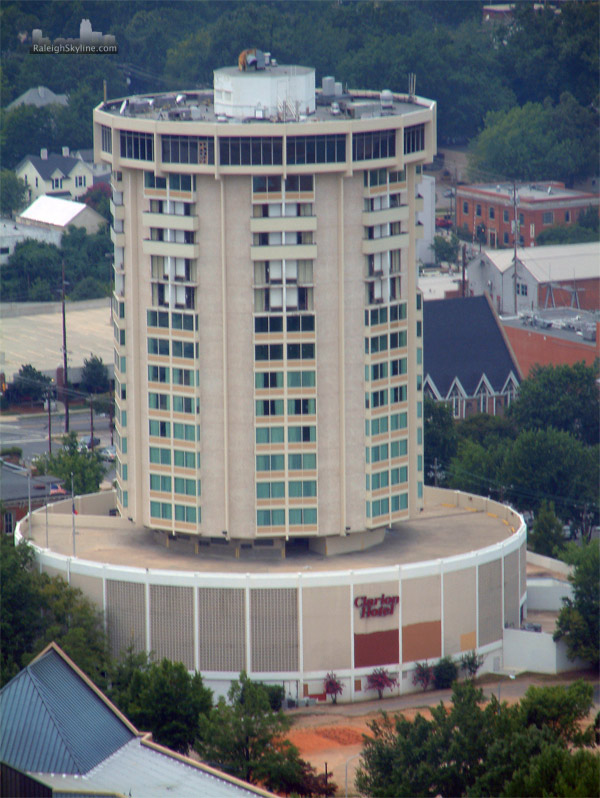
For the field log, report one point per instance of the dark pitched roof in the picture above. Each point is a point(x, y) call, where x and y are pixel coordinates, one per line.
point(14, 484)
point(462, 338)
point(53, 721)
point(47, 166)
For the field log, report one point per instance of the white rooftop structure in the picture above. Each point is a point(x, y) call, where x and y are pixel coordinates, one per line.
point(264, 93)
point(560, 262)
point(53, 210)
point(57, 214)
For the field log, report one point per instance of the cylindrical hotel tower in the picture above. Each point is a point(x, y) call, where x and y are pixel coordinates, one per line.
point(267, 322)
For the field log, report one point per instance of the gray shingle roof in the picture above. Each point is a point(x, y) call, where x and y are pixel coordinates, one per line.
point(51, 721)
point(462, 338)
point(46, 167)
point(38, 97)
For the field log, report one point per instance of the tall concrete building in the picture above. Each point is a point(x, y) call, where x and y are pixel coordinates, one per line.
point(267, 322)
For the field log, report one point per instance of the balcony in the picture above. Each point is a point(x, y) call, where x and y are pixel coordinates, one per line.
point(170, 221)
point(283, 224)
point(171, 249)
point(117, 211)
point(118, 239)
point(386, 215)
point(373, 245)
point(284, 252)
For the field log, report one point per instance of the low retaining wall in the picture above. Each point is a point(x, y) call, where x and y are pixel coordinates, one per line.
point(537, 652)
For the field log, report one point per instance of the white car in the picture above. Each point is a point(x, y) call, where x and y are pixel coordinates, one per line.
point(109, 453)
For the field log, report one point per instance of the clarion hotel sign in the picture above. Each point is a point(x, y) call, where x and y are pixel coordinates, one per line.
point(376, 607)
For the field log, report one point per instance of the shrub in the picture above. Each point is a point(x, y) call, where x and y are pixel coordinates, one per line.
point(444, 673)
point(11, 451)
point(332, 686)
point(470, 664)
point(423, 675)
point(379, 680)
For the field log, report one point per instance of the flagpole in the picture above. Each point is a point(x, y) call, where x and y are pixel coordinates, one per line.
point(73, 513)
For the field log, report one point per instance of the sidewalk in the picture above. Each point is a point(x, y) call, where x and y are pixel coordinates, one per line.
point(57, 414)
point(492, 684)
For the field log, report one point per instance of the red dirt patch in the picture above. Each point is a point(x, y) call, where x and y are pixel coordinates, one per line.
point(311, 741)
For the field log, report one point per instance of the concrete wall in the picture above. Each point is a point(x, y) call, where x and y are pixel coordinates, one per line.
point(537, 652)
point(295, 627)
point(547, 594)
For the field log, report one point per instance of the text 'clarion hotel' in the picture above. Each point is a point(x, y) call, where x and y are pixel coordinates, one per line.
point(267, 323)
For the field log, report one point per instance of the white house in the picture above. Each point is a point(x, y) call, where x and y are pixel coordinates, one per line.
point(555, 276)
point(55, 175)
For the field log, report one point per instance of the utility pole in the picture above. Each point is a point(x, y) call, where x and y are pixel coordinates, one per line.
point(49, 423)
point(65, 373)
point(91, 423)
point(516, 239)
point(73, 513)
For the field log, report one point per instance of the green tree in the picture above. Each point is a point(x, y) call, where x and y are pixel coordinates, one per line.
point(478, 469)
point(537, 142)
point(565, 234)
point(240, 734)
point(546, 536)
point(553, 465)
point(86, 466)
point(472, 749)
point(486, 430)
point(30, 383)
point(563, 397)
point(13, 193)
point(31, 261)
point(20, 619)
point(445, 249)
point(557, 772)
point(579, 619)
point(560, 709)
point(75, 624)
point(38, 609)
point(440, 440)
point(24, 130)
point(166, 700)
point(94, 376)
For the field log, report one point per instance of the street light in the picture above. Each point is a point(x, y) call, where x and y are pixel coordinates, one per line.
point(346, 779)
point(510, 676)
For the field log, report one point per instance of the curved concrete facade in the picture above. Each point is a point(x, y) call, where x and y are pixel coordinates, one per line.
point(292, 622)
point(267, 322)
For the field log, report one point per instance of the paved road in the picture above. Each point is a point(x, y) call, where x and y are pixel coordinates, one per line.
point(30, 432)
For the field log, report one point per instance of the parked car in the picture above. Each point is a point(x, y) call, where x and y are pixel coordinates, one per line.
point(443, 222)
point(86, 442)
point(109, 453)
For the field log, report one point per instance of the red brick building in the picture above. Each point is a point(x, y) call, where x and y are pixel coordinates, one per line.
point(488, 210)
